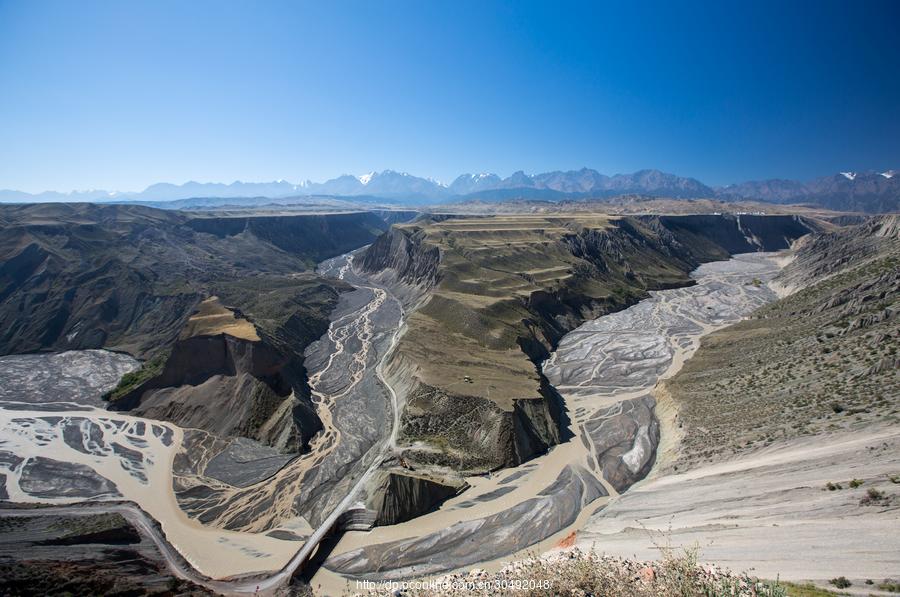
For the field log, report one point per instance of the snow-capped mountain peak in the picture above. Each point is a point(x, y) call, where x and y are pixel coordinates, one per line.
point(869, 190)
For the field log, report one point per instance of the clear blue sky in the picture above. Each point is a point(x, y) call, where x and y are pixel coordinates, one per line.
point(118, 95)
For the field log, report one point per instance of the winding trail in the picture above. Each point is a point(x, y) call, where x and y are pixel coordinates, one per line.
point(143, 522)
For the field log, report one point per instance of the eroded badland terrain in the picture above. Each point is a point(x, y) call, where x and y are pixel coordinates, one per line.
point(239, 403)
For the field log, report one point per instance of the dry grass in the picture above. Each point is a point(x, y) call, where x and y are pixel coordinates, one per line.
point(819, 361)
point(490, 266)
point(446, 357)
point(213, 318)
point(579, 574)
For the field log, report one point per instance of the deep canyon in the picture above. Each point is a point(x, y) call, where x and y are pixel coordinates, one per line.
point(412, 389)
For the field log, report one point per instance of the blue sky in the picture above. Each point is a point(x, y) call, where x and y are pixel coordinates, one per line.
point(118, 95)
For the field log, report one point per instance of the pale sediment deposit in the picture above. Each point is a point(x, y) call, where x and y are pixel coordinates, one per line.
point(604, 370)
point(75, 376)
point(789, 510)
point(85, 453)
point(788, 462)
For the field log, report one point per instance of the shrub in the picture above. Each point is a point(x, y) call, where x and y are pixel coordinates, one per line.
point(840, 582)
point(873, 497)
point(576, 573)
point(149, 369)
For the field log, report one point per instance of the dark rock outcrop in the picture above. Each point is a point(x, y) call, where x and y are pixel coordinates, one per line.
point(83, 554)
point(77, 276)
point(229, 387)
point(313, 237)
point(476, 434)
point(406, 256)
point(395, 216)
point(706, 237)
point(399, 497)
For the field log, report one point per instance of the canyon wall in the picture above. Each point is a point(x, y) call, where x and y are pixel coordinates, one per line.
point(495, 294)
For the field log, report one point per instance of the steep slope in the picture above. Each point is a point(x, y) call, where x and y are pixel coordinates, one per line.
point(131, 278)
point(222, 360)
point(492, 297)
point(312, 238)
point(821, 361)
point(95, 554)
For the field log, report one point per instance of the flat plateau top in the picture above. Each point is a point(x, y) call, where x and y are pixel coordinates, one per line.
point(213, 318)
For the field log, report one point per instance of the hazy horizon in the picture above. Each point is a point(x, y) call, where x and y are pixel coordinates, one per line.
point(361, 174)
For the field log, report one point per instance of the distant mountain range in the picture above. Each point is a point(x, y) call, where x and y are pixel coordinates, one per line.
point(874, 192)
point(848, 191)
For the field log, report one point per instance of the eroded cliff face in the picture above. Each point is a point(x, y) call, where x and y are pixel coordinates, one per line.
point(474, 434)
point(645, 253)
point(313, 237)
point(400, 496)
point(495, 295)
point(712, 237)
point(822, 255)
point(406, 262)
point(230, 387)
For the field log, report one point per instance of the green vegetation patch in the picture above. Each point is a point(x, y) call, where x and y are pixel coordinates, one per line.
point(83, 525)
point(130, 381)
point(805, 590)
